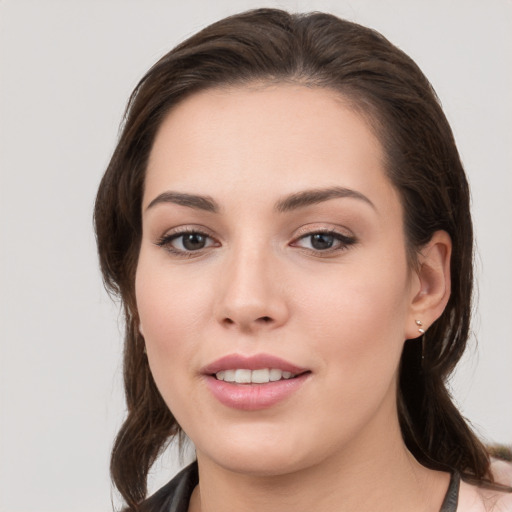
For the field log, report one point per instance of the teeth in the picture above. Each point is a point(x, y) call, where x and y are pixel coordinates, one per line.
point(243, 376)
point(229, 375)
point(261, 376)
point(275, 375)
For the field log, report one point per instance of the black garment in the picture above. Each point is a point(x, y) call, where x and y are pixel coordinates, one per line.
point(175, 496)
point(451, 498)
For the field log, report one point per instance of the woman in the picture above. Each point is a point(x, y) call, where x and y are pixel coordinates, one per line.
point(286, 219)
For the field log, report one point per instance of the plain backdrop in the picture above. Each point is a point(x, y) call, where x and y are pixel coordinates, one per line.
point(66, 70)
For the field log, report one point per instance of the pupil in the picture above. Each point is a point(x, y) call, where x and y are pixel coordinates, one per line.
point(193, 241)
point(322, 241)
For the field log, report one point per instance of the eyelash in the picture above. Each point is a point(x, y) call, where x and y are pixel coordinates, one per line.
point(343, 242)
point(166, 242)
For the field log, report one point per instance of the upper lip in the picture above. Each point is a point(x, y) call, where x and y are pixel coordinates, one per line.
point(255, 362)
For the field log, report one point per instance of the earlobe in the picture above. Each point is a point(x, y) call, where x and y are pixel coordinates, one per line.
point(432, 284)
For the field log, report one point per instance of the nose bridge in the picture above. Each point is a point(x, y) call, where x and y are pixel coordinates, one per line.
point(251, 294)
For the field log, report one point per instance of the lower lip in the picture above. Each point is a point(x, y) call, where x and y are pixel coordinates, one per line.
point(254, 397)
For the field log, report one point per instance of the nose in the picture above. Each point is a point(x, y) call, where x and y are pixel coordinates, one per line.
point(251, 296)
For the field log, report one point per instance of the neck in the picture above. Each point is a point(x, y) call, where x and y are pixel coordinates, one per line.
point(373, 475)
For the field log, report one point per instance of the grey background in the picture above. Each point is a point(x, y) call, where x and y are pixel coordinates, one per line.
point(66, 70)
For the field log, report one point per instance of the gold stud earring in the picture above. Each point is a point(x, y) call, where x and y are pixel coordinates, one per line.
point(419, 323)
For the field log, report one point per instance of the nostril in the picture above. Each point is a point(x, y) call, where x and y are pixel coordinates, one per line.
point(244, 323)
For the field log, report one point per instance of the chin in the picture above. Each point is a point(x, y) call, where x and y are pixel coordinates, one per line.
point(255, 454)
point(269, 465)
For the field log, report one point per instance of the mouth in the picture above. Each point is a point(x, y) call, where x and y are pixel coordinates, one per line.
point(254, 383)
point(259, 376)
point(254, 369)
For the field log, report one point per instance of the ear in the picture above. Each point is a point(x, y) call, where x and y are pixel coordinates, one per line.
point(431, 286)
point(140, 329)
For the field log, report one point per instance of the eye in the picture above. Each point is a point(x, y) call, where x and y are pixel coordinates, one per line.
point(321, 241)
point(186, 242)
point(324, 241)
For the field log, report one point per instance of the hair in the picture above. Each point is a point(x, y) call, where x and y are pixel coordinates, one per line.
point(379, 80)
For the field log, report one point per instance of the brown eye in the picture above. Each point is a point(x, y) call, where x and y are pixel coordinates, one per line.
point(186, 242)
point(322, 241)
point(193, 241)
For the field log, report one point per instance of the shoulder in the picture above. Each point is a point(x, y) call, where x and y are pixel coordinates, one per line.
point(477, 499)
point(502, 471)
point(481, 499)
point(500, 501)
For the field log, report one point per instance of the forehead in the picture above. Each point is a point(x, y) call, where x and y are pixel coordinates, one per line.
point(269, 139)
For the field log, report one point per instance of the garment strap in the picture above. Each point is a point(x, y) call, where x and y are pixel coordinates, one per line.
point(452, 495)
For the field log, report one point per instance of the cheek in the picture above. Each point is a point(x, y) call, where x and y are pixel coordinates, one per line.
point(358, 334)
point(371, 300)
point(357, 317)
point(169, 302)
point(169, 312)
point(171, 309)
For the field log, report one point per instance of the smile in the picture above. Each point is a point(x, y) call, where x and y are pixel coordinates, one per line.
point(260, 376)
point(252, 383)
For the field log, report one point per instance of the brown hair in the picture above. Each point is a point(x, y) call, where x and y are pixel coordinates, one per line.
point(317, 50)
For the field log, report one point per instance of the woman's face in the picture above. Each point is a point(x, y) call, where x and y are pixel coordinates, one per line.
point(273, 245)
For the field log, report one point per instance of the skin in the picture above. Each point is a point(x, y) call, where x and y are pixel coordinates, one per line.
point(260, 286)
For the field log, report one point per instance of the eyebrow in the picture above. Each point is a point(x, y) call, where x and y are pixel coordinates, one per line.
point(289, 203)
point(205, 203)
point(315, 196)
